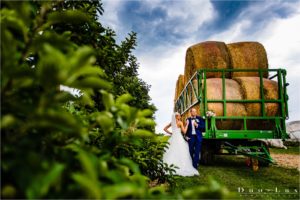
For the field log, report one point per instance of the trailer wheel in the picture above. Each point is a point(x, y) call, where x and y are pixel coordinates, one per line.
point(207, 154)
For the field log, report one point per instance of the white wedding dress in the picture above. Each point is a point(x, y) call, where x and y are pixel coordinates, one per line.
point(178, 153)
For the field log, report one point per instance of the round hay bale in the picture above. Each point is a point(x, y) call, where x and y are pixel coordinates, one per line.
point(206, 55)
point(179, 86)
point(233, 92)
point(191, 92)
point(248, 55)
point(175, 95)
point(271, 93)
point(186, 74)
point(251, 91)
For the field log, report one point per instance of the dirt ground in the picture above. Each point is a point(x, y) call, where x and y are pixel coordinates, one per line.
point(287, 160)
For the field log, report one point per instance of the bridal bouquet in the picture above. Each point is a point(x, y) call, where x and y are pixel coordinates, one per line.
point(210, 114)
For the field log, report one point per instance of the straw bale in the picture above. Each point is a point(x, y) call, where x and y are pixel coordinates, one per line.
point(206, 55)
point(248, 55)
point(251, 91)
point(233, 92)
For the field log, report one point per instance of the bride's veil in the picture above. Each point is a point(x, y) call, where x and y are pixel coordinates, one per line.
point(173, 122)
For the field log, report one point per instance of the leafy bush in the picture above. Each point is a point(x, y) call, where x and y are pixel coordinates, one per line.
point(47, 151)
point(56, 145)
point(148, 154)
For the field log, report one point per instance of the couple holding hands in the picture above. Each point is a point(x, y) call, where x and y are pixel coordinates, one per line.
point(184, 152)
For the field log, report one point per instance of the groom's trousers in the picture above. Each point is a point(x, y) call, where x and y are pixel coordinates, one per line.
point(195, 148)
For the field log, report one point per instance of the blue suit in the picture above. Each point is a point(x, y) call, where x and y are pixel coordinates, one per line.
point(195, 141)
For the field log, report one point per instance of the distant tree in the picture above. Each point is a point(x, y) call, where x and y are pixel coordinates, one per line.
point(117, 60)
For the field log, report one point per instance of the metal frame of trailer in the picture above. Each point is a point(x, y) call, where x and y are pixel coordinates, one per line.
point(237, 141)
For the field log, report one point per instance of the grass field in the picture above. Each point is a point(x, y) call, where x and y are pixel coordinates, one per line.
point(271, 182)
point(289, 150)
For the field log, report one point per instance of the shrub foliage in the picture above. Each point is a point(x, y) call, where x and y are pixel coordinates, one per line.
point(98, 144)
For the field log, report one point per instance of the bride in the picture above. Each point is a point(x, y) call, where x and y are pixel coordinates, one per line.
point(178, 151)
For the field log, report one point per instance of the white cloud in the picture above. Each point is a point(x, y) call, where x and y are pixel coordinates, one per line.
point(192, 13)
point(110, 17)
point(179, 18)
point(162, 74)
point(234, 33)
point(283, 47)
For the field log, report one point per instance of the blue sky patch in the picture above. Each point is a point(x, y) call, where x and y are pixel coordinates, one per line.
point(227, 12)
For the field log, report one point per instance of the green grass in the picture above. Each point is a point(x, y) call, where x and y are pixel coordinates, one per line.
point(232, 172)
point(290, 150)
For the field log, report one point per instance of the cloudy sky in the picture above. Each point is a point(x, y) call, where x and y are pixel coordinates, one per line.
point(166, 28)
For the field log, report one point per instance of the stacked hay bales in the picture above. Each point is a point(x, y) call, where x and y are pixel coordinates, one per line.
point(271, 93)
point(233, 92)
point(195, 85)
point(248, 55)
point(210, 55)
point(251, 91)
point(218, 55)
point(179, 86)
point(239, 85)
point(215, 92)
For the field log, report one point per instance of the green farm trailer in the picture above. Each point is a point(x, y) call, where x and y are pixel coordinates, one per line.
point(245, 141)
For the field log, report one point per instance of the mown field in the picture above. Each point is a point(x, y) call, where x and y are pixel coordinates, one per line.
point(273, 182)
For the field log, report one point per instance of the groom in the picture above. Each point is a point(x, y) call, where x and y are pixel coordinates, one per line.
point(194, 132)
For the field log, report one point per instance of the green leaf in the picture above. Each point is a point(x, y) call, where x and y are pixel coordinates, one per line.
point(92, 188)
point(11, 21)
point(122, 190)
point(63, 96)
point(83, 56)
point(146, 122)
point(91, 82)
point(88, 70)
point(145, 113)
point(88, 162)
point(106, 121)
point(51, 38)
point(108, 100)
point(85, 98)
point(75, 17)
point(103, 167)
point(125, 98)
point(49, 69)
point(7, 121)
point(143, 133)
point(42, 184)
point(132, 165)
